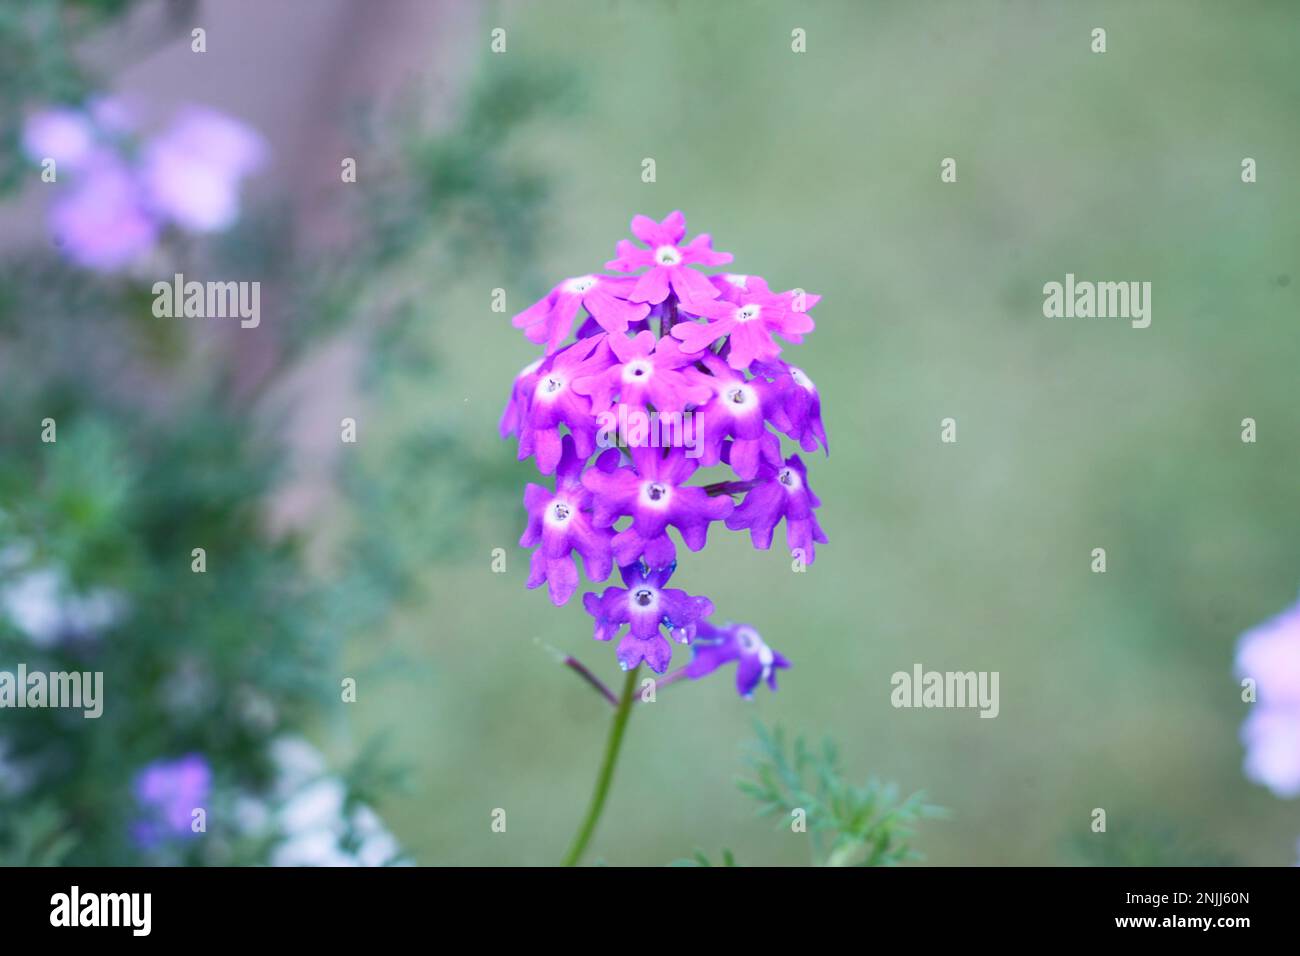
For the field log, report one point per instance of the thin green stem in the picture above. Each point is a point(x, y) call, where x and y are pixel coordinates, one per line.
point(606, 774)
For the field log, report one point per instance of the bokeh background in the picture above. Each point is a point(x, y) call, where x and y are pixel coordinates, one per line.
point(481, 170)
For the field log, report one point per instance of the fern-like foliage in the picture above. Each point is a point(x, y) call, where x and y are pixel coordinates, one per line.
point(847, 824)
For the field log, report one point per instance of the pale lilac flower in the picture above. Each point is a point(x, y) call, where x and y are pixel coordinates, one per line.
point(61, 134)
point(192, 172)
point(102, 222)
point(1269, 654)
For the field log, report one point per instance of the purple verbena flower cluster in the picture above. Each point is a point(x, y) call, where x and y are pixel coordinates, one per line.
point(669, 370)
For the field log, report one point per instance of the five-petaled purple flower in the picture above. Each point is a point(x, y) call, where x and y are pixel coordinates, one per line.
point(748, 319)
point(654, 492)
point(781, 493)
point(560, 524)
point(668, 262)
point(687, 365)
point(645, 607)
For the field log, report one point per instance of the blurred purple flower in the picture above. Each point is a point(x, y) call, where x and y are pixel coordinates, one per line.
point(63, 135)
point(169, 791)
point(192, 172)
point(102, 222)
point(114, 209)
point(1269, 654)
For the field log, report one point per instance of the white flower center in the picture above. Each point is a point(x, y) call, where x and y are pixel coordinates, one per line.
point(668, 256)
point(579, 284)
point(644, 598)
point(738, 397)
point(789, 478)
point(748, 313)
point(559, 512)
point(638, 371)
point(550, 386)
point(656, 494)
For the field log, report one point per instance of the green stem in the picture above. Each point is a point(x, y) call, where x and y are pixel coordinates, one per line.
point(606, 774)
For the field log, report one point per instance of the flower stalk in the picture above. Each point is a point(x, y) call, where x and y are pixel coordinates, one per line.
point(606, 774)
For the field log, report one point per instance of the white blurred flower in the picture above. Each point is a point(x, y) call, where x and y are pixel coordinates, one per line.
point(312, 818)
point(41, 604)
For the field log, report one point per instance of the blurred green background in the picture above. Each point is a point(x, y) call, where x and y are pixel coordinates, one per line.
point(817, 170)
point(821, 170)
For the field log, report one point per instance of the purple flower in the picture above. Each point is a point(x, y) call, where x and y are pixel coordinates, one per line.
point(554, 403)
point(791, 402)
point(515, 414)
point(781, 493)
point(63, 135)
point(668, 262)
point(645, 372)
point(1269, 654)
point(645, 606)
point(115, 208)
point(102, 222)
point(653, 493)
point(559, 524)
point(663, 345)
point(192, 172)
point(550, 321)
point(715, 646)
point(749, 319)
point(169, 792)
point(736, 410)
